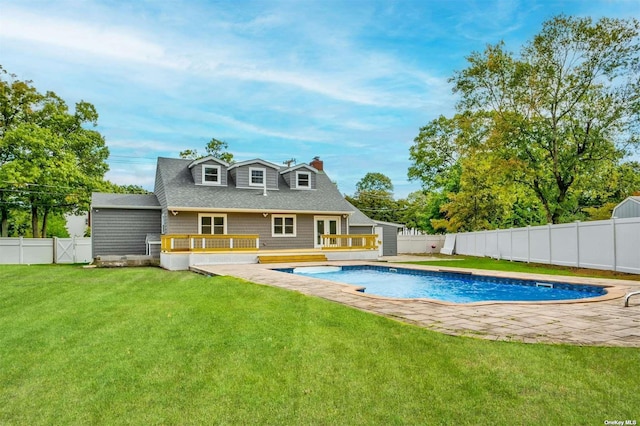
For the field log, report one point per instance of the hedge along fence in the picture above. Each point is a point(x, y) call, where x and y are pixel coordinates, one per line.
point(31, 251)
point(604, 244)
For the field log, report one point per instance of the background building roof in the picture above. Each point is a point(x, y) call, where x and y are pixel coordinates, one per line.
point(123, 201)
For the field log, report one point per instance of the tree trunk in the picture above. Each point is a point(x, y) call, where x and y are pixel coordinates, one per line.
point(45, 216)
point(4, 217)
point(4, 222)
point(34, 221)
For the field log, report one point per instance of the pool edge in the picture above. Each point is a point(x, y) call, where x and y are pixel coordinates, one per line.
point(613, 288)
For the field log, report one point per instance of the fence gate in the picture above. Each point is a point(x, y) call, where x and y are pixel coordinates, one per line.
point(64, 250)
point(72, 250)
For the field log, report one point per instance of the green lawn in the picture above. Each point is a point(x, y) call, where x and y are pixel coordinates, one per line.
point(147, 346)
point(534, 268)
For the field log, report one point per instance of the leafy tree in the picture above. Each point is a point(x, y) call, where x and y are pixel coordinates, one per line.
point(424, 208)
point(412, 211)
point(567, 106)
point(122, 189)
point(435, 152)
point(49, 161)
point(479, 204)
point(610, 187)
point(216, 148)
point(374, 197)
point(41, 171)
point(375, 182)
point(549, 122)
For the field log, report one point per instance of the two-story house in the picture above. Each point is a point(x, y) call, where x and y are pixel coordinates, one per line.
point(207, 211)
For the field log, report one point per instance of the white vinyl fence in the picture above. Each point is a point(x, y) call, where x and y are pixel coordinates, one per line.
point(23, 251)
point(414, 243)
point(604, 244)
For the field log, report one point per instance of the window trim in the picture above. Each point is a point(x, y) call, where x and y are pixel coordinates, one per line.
point(211, 166)
point(264, 176)
point(283, 217)
point(212, 216)
point(298, 173)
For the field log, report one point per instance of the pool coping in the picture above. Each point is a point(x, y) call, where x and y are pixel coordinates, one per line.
point(593, 323)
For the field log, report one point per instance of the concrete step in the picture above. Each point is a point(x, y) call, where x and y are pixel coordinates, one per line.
point(125, 261)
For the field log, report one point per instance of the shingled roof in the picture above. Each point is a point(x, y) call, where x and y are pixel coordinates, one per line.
point(101, 200)
point(176, 191)
point(358, 218)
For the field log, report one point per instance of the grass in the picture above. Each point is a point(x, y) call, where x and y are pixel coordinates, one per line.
point(147, 346)
point(534, 268)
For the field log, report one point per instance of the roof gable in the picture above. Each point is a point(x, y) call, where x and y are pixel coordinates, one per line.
point(629, 207)
point(208, 158)
point(632, 199)
point(299, 166)
point(254, 161)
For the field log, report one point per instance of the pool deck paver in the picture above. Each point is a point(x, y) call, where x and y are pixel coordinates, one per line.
point(596, 323)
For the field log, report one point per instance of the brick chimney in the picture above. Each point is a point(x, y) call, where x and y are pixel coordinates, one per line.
point(317, 164)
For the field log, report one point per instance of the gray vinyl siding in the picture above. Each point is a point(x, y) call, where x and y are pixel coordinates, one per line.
point(360, 230)
point(182, 223)
point(196, 172)
point(628, 208)
point(287, 179)
point(389, 240)
point(292, 181)
point(122, 231)
point(233, 176)
point(241, 176)
point(254, 223)
point(249, 223)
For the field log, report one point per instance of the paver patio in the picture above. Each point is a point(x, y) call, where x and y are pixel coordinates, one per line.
point(597, 323)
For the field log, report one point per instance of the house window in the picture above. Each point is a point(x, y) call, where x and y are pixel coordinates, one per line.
point(256, 176)
point(211, 175)
point(303, 180)
point(283, 225)
point(212, 224)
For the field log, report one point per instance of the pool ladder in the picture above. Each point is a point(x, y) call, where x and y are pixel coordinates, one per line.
point(626, 299)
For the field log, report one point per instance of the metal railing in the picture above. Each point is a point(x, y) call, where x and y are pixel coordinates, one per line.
point(204, 243)
point(628, 296)
point(349, 241)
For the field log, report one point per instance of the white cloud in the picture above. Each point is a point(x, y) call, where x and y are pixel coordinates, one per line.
point(146, 146)
point(97, 40)
point(339, 71)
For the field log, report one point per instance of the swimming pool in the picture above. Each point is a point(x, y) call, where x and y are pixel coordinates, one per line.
point(447, 286)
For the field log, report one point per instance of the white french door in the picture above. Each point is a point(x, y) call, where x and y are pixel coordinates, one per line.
point(325, 225)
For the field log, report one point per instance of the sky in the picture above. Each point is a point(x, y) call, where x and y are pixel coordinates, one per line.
point(350, 81)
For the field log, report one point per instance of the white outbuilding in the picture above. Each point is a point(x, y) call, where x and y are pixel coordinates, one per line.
point(630, 207)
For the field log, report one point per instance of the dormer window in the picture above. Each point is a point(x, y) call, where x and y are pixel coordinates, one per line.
point(303, 180)
point(210, 175)
point(256, 176)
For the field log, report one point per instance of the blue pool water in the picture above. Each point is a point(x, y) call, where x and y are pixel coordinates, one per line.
point(447, 286)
